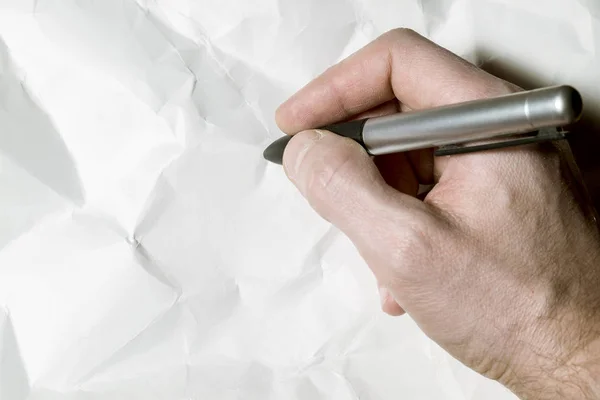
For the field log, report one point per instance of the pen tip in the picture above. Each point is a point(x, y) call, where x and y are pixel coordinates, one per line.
point(274, 152)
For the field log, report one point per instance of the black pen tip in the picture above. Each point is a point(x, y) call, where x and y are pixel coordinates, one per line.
point(274, 152)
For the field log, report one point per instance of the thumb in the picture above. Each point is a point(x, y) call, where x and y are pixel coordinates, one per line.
point(343, 185)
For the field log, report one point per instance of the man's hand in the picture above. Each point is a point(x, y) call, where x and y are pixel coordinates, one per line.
point(498, 264)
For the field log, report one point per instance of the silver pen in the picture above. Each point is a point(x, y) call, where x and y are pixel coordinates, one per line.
point(516, 119)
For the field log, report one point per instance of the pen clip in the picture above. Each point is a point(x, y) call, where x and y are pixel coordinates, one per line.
point(543, 135)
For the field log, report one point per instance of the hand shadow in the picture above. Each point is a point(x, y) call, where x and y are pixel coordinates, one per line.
point(582, 145)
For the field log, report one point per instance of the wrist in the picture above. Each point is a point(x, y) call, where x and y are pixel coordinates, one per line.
point(575, 377)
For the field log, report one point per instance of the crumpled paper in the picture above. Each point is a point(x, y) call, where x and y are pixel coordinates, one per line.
point(147, 251)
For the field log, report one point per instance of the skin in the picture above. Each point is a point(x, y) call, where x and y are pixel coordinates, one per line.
point(499, 263)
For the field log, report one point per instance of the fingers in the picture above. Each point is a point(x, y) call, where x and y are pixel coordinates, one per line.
point(388, 304)
point(387, 108)
point(342, 184)
point(338, 177)
point(400, 64)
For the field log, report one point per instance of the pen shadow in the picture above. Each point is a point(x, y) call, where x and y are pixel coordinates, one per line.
point(582, 146)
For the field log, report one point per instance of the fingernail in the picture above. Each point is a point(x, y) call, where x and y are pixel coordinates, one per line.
point(294, 155)
point(383, 295)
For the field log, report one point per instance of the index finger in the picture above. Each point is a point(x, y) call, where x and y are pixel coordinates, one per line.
point(399, 64)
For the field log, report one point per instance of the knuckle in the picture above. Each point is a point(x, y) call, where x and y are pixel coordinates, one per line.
point(400, 33)
point(408, 245)
point(509, 87)
point(479, 89)
point(495, 87)
point(399, 39)
point(412, 251)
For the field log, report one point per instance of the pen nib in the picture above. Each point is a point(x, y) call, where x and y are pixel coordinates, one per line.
point(274, 152)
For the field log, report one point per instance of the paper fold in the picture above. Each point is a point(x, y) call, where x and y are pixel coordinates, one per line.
point(146, 248)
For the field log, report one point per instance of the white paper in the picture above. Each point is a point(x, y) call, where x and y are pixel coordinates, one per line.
point(147, 251)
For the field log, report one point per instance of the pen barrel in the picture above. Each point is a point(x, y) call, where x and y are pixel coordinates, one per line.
point(473, 121)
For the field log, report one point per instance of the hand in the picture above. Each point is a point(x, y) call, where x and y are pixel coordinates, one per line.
point(499, 263)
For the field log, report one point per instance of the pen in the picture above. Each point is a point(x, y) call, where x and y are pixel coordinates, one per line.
point(510, 120)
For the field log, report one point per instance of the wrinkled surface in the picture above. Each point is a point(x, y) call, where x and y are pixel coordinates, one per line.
point(147, 251)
